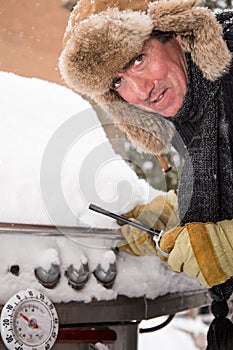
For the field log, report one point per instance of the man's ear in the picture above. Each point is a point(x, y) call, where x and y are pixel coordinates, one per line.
point(178, 38)
point(179, 41)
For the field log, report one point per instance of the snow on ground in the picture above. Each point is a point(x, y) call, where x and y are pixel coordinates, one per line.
point(183, 333)
point(54, 161)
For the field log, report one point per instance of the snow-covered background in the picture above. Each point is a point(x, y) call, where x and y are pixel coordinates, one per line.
point(54, 161)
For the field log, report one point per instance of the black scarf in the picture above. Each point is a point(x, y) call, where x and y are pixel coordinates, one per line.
point(206, 184)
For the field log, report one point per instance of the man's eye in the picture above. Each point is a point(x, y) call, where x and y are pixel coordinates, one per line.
point(138, 59)
point(116, 83)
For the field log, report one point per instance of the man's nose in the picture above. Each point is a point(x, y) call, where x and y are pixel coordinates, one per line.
point(141, 87)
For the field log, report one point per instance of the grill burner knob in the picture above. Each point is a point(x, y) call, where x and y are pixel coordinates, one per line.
point(48, 278)
point(106, 277)
point(78, 277)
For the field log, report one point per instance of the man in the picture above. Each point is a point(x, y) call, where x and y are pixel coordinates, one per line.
point(158, 68)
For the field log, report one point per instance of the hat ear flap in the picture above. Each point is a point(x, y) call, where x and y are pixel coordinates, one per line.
point(200, 32)
point(151, 131)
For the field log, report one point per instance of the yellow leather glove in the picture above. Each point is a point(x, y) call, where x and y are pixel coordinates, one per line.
point(159, 214)
point(201, 250)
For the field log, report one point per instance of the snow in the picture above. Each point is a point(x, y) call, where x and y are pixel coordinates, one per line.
point(37, 120)
point(182, 333)
point(55, 160)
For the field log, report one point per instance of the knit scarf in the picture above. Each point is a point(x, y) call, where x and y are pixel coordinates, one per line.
point(206, 184)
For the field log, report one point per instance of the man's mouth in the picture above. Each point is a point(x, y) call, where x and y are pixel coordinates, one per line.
point(160, 97)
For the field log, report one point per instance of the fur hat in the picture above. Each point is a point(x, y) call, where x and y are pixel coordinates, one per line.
point(103, 35)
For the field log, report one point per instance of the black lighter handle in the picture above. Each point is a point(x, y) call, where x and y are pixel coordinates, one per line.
point(123, 219)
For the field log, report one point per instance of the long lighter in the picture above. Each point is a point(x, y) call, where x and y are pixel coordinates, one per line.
point(157, 235)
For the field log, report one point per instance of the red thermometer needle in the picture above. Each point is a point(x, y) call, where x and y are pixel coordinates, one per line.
point(31, 322)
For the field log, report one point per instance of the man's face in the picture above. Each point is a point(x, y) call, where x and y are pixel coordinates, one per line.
point(156, 80)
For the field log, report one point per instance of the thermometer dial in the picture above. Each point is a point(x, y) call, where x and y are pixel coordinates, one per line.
point(29, 321)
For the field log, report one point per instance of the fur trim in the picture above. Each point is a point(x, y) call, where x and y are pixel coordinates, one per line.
point(100, 46)
point(149, 130)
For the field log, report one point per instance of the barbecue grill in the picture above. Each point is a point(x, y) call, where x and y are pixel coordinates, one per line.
point(96, 324)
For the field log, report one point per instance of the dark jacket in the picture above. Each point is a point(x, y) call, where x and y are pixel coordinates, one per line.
point(205, 125)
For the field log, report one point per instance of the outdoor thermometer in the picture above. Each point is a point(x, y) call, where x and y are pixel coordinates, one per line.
point(29, 321)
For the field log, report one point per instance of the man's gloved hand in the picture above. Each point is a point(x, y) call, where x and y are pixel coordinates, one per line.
point(201, 250)
point(160, 214)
